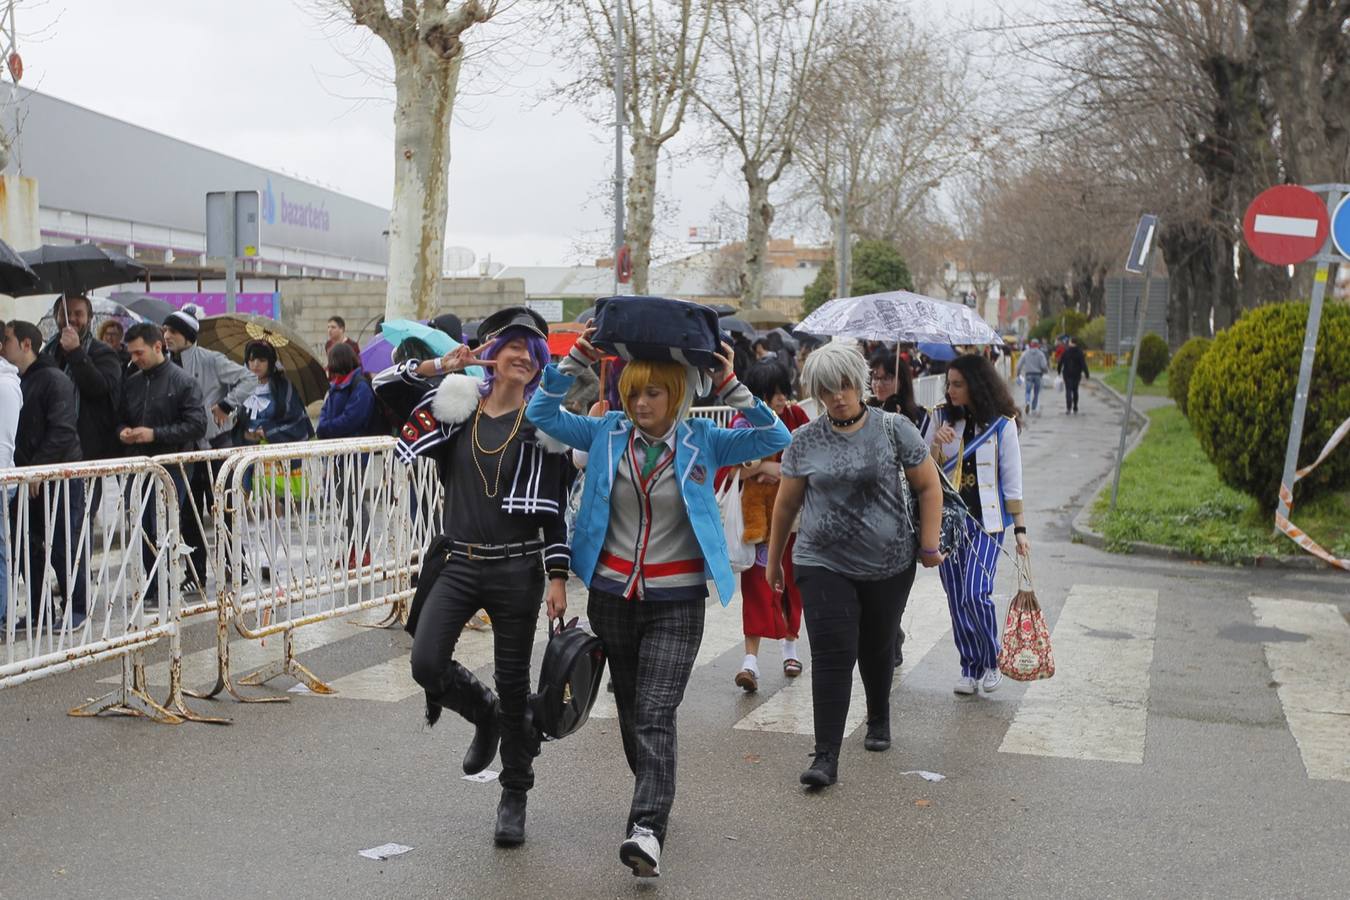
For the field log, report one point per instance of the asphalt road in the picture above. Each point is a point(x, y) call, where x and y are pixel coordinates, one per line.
point(1190, 745)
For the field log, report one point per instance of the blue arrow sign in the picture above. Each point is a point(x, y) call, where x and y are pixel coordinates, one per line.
point(1340, 227)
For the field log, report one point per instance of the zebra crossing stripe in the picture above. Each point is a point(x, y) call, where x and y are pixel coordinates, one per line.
point(1313, 686)
point(391, 681)
point(1096, 706)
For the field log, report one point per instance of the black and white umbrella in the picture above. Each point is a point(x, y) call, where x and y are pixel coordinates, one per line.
point(900, 316)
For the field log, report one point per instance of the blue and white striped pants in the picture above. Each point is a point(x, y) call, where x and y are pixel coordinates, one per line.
point(968, 578)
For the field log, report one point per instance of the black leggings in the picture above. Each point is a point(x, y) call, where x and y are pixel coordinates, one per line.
point(1071, 394)
point(850, 621)
point(511, 592)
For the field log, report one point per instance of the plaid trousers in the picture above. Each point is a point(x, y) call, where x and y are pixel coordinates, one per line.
point(651, 646)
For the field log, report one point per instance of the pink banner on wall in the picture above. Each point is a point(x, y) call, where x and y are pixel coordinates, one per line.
point(214, 304)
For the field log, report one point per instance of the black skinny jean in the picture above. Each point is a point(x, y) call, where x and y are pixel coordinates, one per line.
point(850, 621)
point(511, 591)
point(1071, 393)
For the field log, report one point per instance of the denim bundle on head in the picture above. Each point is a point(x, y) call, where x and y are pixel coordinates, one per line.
point(658, 328)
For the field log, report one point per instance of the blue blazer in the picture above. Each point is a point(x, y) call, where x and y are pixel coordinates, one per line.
point(701, 448)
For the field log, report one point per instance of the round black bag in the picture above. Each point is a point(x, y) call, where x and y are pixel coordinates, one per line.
point(569, 680)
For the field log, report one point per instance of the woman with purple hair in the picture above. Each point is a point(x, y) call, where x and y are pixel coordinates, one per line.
point(505, 497)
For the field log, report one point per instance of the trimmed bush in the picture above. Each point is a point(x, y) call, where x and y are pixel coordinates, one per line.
point(1069, 321)
point(1180, 368)
point(1153, 355)
point(1242, 395)
point(1093, 334)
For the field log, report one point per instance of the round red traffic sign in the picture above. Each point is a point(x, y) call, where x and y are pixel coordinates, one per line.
point(1286, 225)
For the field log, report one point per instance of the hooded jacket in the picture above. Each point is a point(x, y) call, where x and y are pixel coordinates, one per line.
point(222, 381)
point(168, 400)
point(348, 408)
point(47, 429)
point(96, 370)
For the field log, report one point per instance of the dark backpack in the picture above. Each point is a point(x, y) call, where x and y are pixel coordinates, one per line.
point(569, 680)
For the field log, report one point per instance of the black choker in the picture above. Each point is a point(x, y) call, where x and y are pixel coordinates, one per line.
point(844, 423)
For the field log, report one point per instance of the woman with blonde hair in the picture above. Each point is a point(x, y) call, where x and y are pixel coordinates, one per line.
point(648, 538)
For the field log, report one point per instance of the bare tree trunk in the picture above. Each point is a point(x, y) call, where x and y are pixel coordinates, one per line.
point(422, 115)
point(757, 224)
point(841, 250)
point(640, 204)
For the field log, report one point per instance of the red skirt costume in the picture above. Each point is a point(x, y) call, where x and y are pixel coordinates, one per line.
point(762, 614)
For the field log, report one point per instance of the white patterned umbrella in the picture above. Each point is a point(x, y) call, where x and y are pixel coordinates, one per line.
point(899, 316)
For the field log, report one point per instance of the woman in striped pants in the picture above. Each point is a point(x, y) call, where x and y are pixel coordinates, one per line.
point(976, 446)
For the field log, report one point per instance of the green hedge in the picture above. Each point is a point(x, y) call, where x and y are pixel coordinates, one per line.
point(1181, 367)
point(1153, 355)
point(1241, 398)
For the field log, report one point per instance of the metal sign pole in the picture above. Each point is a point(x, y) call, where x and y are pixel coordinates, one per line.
point(1134, 368)
point(618, 138)
point(230, 260)
point(1305, 368)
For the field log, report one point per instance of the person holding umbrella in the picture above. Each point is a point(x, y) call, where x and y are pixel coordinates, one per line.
point(274, 412)
point(96, 370)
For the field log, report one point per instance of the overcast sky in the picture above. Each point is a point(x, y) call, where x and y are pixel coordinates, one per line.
point(266, 81)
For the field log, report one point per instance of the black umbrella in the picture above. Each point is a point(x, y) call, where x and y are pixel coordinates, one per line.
point(153, 309)
point(735, 325)
point(723, 309)
point(16, 278)
point(79, 268)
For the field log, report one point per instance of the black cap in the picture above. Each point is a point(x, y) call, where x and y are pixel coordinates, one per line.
point(512, 317)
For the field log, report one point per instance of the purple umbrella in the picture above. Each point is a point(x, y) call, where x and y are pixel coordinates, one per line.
point(377, 355)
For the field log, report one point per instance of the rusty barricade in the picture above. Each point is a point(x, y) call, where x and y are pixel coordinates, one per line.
point(311, 532)
point(88, 570)
point(196, 473)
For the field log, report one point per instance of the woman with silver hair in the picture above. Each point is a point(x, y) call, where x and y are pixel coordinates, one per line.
point(856, 546)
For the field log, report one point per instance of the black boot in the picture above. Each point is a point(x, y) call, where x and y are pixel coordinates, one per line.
point(510, 819)
point(878, 736)
point(475, 701)
point(824, 769)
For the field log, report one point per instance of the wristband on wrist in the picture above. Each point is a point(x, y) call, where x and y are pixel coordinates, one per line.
point(927, 552)
point(439, 364)
point(1019, 529)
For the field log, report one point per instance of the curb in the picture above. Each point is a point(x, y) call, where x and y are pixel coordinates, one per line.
point(1084, 533)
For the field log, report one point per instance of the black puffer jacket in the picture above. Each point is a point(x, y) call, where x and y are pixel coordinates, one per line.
point(96, 370)
point(168, 400)
point(1073, 363)
point(47, 432)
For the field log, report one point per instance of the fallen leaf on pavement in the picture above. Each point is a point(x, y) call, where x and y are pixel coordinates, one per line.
point(923, 803)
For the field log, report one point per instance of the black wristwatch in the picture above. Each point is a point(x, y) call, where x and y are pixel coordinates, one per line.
point(1019, 529)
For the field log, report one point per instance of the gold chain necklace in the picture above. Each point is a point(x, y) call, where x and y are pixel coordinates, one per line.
point(499, 452)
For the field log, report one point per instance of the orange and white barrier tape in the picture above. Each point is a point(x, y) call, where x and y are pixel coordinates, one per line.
point(1292, 531)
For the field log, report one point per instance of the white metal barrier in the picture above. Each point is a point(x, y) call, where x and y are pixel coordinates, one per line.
point(196, 472)
point(312, 532)
point(722, 415)
point(86, 553)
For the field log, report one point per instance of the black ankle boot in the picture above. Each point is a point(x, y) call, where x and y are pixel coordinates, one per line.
point(878, 736)
point(510, 819)
point(824, 769)
point(486, 736)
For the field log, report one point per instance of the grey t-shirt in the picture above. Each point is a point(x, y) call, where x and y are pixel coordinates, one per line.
point(854, 520)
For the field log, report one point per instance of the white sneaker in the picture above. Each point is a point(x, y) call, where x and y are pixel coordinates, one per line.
point(965, 685)
point(991, 680)
point(641, 853)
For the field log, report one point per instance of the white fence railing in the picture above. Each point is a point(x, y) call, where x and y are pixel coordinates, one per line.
point(87, 561)
point(314, 531)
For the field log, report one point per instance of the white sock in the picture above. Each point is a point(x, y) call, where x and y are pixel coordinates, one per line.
point(790, 649)
point(751, 663)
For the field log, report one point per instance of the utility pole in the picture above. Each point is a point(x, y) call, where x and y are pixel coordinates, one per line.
point(618, 137)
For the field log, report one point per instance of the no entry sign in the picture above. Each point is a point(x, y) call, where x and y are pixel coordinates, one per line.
point(1286, 225)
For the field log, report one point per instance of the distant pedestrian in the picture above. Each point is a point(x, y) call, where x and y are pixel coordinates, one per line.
point(856, 549)
point(161, 412)
point(976, 444)
point(349, 411)
point(224, 385)
point(337, 334)
point(1032, 368)
point(1073, 368)
point(48, 433)
point(96, 370)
